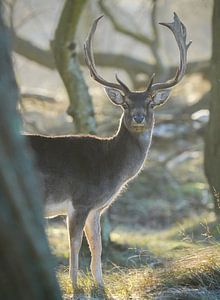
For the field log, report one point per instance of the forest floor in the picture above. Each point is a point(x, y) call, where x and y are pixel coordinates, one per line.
point(165, 241)
point(179, 262)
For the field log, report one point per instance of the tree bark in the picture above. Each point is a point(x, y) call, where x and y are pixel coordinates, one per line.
point(212, 142)
point(26, 266)
point(80, 108)
point(64, 48)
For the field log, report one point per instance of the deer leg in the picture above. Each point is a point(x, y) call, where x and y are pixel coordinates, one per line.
point(75, 223)
point(93, 235)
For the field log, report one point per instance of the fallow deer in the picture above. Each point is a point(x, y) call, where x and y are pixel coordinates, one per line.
point(83, 174)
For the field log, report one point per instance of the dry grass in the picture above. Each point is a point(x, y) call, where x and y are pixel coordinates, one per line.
point(195, 276)
point(167, 265)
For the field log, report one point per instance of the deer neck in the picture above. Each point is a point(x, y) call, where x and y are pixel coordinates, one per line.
point(130, 149)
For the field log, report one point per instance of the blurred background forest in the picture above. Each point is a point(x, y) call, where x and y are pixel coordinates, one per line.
point(170, 203)
point(172, 185)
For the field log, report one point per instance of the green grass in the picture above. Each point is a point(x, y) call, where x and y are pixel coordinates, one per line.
point(180, 262)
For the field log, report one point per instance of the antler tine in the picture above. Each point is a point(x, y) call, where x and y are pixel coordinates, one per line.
point(124, 86)
point(179, 31)
point(150, 82)
point(89, 58)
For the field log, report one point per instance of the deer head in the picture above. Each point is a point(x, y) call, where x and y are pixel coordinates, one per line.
point(138, 106)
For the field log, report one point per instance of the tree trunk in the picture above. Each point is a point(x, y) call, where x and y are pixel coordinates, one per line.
point(26, 266)
point(81, 108)
point(64, 48)
point(212, 142)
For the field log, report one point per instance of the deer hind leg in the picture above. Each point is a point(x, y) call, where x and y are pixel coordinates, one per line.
point(93, 235)
point(75, 224)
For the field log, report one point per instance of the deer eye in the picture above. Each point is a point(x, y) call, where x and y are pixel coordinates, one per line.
point(151, 104)
point(125, 105)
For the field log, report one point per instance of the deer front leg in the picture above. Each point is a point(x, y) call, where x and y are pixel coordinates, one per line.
point(75, 223)
point(93, 235)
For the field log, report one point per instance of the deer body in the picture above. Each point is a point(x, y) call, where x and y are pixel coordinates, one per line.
point(86, 170)
point(82, 175)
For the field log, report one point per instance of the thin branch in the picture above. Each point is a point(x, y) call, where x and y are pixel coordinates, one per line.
point(30, 15)
point(120, 28)
point(153, 21)
point(155, 43)
point(152, 43)
point(10, 4)
point(38, 97)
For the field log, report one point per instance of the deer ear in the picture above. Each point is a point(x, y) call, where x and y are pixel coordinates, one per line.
point(115, 95)
point(161, 97)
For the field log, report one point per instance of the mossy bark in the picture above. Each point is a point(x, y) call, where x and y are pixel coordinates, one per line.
point(212, 142)
point(64, 49)
point(26, 266)
point(81, 108)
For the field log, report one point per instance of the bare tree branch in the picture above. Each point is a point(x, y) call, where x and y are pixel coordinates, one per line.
point(38, 97)
point(129, 64)
point(153, 21)
point(203, 103)
point(45, 58)
point(155, 43)
point(32, 52)
point(151, 42)
point(120, 28)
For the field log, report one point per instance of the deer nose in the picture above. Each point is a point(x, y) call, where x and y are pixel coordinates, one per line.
point(138, 118)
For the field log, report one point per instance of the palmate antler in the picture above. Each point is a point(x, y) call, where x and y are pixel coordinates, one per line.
point(179, 31)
